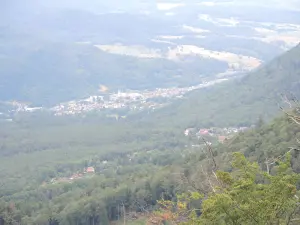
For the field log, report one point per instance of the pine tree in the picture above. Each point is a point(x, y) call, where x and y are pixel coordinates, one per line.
point(246, 196)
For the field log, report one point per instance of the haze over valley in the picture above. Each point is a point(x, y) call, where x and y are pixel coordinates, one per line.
point(149, 112)
point(77, 47)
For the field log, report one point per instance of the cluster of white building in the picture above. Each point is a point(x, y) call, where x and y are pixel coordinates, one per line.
point(133, 100)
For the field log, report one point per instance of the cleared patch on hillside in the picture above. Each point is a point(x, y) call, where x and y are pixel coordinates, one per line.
point(234, 61)
point(229, 22)
point(134, 50)
point(170, 37)
point(289, 34)
point(167, 6)
point(195, 29)
point(237, 62)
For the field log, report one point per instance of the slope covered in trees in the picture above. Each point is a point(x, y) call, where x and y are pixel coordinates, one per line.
point(125, 164)
point(268, 142)
point(263, 189)
point(247, 195)
point(242, 101)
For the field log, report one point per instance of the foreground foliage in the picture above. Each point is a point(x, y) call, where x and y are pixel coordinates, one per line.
point(247, 195)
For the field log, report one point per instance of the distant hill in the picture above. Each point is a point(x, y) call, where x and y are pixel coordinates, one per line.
point(241, 101)
point(47, 73)
point(48, 56)
point(47, 52)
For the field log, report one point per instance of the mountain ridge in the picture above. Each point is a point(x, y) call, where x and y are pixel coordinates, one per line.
point(242, 101)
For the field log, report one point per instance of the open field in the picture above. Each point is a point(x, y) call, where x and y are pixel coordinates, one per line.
point(240, 62)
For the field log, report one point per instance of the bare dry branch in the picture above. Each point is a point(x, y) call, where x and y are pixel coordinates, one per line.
point(210, 153)
point(285, 99)
point(208, 179)
point(272, 161)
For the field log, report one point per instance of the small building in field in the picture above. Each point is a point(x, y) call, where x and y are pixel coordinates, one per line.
point(90, 170)
point(222, 139)
point(203, 131)
point(189, 131)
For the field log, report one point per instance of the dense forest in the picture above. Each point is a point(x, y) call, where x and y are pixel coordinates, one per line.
point(135, 167)
point(260, 189)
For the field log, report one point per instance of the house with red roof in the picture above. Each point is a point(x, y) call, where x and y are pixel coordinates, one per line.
point(90, 170)
point(222, 139)
point(203, 131)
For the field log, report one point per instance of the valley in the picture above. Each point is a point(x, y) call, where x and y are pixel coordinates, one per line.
point(149, 112)
point(168, 45)
point(129, 100)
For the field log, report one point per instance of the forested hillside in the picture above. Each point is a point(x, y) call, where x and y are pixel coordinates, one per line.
point(124, 179)
point(54, 184)
point(241, 101)
point(269, 141)
point(260, 189)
